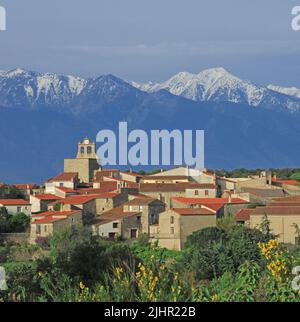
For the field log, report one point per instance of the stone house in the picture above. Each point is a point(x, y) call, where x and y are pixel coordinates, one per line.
point(149, 208)
point(47, 223)
point(85, 203)
point(166, 191)
point(176, 224)
point(66, 179)
point(14, 206)
point(40, 202)
point(283, 220)
point(117, 223)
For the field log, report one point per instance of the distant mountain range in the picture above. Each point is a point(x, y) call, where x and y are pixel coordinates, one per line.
point(42, 117)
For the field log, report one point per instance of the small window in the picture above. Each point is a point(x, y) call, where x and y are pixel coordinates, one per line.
point(115, 225)
point(196, 193)
point(206, 192)
point(139, 220)
point(45, 228)
point(172, 230)
point(19, 209)
point(89, 150)
point(82, 150)
point(172, 220)
point(61, 184)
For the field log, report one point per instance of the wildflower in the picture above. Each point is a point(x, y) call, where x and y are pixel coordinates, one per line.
point(215, 298)
point(82, 286)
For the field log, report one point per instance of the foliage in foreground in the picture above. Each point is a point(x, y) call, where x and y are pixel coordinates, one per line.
point(143, 272)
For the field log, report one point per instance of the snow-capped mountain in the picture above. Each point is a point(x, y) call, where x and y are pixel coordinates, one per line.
point(26, 89)
point(218, 85)
point(29, 89)
point(292, 91)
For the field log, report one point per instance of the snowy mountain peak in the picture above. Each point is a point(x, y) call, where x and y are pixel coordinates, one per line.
point(14, 72)
point(292, 91)
point(219, 85)
point(26, 89)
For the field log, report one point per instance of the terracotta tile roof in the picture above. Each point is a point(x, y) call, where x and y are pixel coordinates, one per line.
point(174, 187)
point(213, 206)
point(47, 220)
point(46, 196)
point(82, 199)
point(14, 202)
point(65, 176)
point(287, 199)
point(158, 178)
point(104, 173)
point(193, 211)
point(89, 191)
point(113, 215)
point(208, 200)
point(264, 193)
point(284, 203)
point(76, 200)
point(286, 182)
point(243, 214)
point(65, 189)
point(292, 210)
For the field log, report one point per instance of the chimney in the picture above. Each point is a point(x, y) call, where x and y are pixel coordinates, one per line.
point(229, 198)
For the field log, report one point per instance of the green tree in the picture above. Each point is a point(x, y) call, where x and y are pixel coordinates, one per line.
point(19, 222)
point(77, 253)
point(213, 251)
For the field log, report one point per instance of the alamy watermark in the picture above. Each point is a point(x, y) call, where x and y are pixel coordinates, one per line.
point(3, 285)
point(157, 148)
point(2, 18)
point(296, 19)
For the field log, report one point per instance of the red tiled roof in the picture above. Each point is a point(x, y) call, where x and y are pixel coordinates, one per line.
point(82, 199)
point(208, 200)
point(292, 210)
point(46, 196)
point(243, 214)
point(65, 189)
point(286, 182)
point(284, 203)
point(65, 176)
point(47, 220)
point(76, 200)
point(213, 206)
point(14, 202)
point(193, 211)
point(116, 213)
point(162, 177)
point(174, 187)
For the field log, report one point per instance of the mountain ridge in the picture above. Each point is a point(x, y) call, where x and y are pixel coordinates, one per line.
point(28, 89)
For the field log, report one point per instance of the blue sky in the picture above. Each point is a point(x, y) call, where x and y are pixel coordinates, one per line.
point(154, 39)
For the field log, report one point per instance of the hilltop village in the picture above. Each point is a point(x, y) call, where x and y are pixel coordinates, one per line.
point(166, 207)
